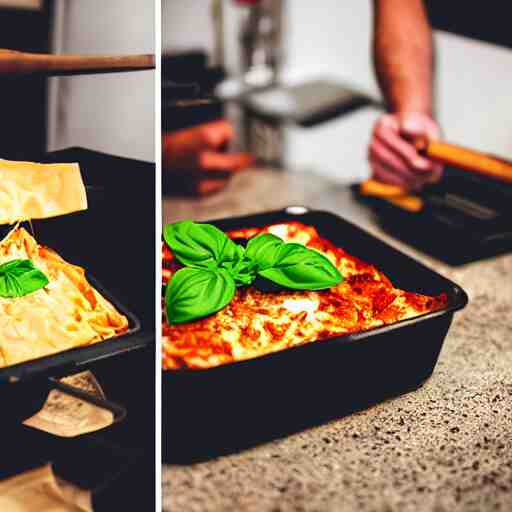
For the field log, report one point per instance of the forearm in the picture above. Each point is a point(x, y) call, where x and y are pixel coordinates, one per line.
point(403, 55)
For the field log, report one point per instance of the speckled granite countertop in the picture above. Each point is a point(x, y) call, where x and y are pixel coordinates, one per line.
point(446, 447)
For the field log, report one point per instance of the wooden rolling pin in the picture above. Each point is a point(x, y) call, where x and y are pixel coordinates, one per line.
point(21, 63)
point(464, 158)
point(449, 154)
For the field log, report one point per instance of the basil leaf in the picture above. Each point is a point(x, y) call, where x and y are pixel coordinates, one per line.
point(241, 268)
point(230, 251)
point(263, 249)
point(243, 272)
point(194, 293)
point(19, 278)
point(300, 268)
point(199, 245)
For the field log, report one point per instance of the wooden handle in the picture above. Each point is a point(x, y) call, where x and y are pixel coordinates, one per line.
point(467, 159)
point(21, 63)
point(392, 194)
point(450, 154)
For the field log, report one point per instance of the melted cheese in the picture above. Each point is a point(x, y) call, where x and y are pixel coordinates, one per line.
point(37, 191)
point(66, 313)
point(257, 323)
point(310, 306)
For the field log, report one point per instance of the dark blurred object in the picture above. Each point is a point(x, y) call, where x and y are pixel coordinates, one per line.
point(195, 135)
point(187, 91)
point(466, 217)
point(23, 101)
point(488, 21)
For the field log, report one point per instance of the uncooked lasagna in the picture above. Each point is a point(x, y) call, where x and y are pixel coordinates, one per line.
point(257, 323)
point(67, 313)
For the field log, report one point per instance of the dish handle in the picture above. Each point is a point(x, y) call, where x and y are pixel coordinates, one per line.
point(118, 410)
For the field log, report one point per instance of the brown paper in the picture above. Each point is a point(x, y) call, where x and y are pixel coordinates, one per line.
point(66, 416)
point(38, 490)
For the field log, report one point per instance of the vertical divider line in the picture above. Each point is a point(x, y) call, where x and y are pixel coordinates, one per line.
point(158, 250)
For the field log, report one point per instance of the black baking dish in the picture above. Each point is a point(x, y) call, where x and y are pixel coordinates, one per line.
point(101, 232)
point(24, 386)
point(77, 359)
point(226, 408)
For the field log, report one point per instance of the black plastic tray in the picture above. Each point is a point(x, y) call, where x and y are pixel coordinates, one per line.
point(223, 409)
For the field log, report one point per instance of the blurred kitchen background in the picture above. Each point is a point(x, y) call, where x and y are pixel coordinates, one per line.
point(113, 113)
point(321, 128)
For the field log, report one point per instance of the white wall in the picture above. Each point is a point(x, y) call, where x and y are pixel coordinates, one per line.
point(474, 98)
point(186, 24)
point(112, 113)
point(332, 38)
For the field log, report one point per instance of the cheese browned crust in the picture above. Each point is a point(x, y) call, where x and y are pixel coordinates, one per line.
point(66, 313)
point(257, 323)
point(36, 191)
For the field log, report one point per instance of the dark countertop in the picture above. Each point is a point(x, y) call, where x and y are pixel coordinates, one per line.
point(445, 447)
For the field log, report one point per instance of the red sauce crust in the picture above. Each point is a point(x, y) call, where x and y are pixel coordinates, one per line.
point(255, 323)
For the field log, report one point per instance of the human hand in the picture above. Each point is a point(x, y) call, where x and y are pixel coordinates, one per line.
point(392, 155)
point(198, 155)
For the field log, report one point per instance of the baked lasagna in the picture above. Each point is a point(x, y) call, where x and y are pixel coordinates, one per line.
point(66, 313)
point(257, 323)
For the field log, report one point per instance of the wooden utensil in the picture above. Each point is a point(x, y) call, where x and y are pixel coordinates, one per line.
point(449, 154)
point(392, 194)
point(22, 63)
point(464, 158)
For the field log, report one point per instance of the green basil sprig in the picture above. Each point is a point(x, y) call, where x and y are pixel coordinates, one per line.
point(299, 268)
point(215, 265)
point(19, 278)
point(195, 292)
point(263, 250)
point(199, 245)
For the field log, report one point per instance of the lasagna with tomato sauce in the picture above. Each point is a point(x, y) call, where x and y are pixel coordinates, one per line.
point(257, 323)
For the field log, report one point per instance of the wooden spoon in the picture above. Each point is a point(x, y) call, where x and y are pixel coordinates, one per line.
point(22, 63)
